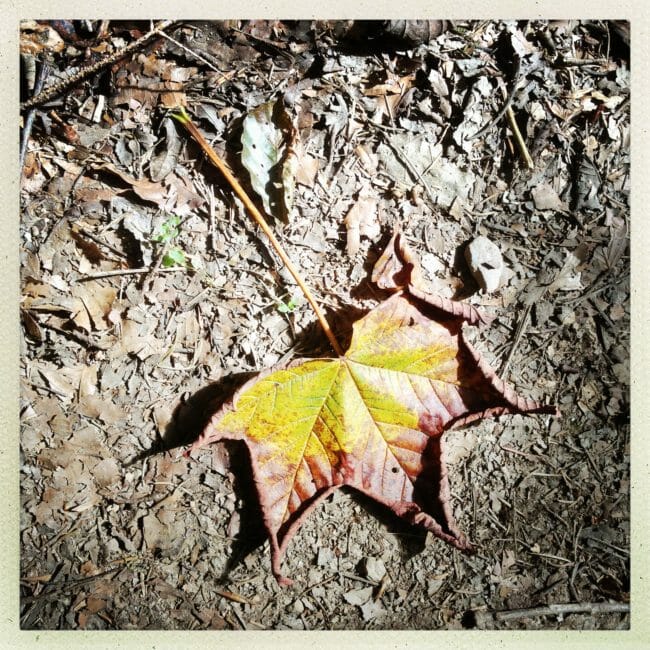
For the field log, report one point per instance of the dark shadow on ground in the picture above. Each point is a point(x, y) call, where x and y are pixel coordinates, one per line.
point(252, 533)
point(412, 539)
point(192, 415)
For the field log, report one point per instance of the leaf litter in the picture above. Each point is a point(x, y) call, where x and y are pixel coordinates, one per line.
point(546, 501)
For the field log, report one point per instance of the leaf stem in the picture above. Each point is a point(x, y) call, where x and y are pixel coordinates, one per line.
point(185, 120)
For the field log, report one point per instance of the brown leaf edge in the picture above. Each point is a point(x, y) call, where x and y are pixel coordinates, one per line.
point(278, 543)
point(398, 268)
point(410, 512)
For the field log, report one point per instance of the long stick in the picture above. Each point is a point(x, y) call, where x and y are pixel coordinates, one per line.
point(562, 609)
point(185, 120)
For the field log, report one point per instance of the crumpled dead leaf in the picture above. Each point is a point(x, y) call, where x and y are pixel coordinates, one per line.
point(361, 221)
point(146, 190)
point(93, 303)
point(163, 162)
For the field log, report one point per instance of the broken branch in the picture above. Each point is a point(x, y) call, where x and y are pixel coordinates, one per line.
point(561, 609)
point(58, 88)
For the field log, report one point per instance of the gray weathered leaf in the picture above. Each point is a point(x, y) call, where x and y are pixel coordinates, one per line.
point(268, 155)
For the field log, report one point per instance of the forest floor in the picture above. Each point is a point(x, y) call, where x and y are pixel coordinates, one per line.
point(147, 292)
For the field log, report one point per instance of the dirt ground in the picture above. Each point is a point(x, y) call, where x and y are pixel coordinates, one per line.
point(147, 295)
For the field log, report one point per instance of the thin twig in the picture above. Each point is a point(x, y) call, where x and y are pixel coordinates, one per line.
point(77, 336)
point(505, 106)
point(497, 117)
point(58, 88)
point(563, 610)
point(409, 165)
point(351, 576)
point(239, 618)
point(568, 62)
point(622, 553)
point(111, 274)
point(519, 138)
point(187, 49)
point(185, 120)
point(521, 326)
point(54, 588)
point(100, 242)
point(231, 595)
point(560, 610)
point(317, 584)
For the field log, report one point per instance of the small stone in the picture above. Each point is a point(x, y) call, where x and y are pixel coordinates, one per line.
point(546, 198)
point(371, 609)
point(325, 556)
point(358, 596)
point(298, 607)
point(485, 262)
point(374, 569)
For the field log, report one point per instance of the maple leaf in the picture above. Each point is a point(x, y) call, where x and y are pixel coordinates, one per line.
point(372, 419)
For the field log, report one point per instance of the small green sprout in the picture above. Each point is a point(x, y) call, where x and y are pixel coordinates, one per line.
point(168, 230)
point(288, 307)
point(174, 257)
point(166, 234)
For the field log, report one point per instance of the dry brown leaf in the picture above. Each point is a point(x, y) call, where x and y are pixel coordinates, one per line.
point(156, 534)
point(92, 192)
point(162, 416)
point(307, 168)
point(80, 316)
point(94, 605)
point(394, 86)
point(164, 161)
point(546, 198)
point(31, 325)
point(88, 381)
point(88, 248)
point(57, 381)
point(185, 199)
point(146, 190)
point(36, 38)
point(93, 406)
point(88, 439)
point(106, 472)
point(93, 304)
point(136, 338)
point(51, 503)
point(369, 161)
point(36, 290)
